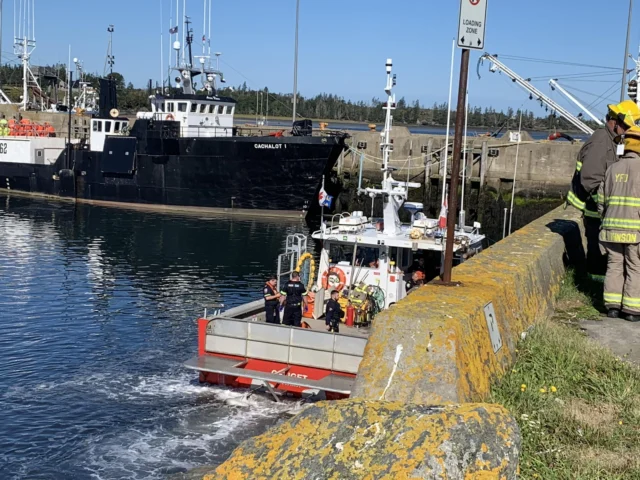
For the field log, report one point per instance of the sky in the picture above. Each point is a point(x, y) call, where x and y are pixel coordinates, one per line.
point(343, 44)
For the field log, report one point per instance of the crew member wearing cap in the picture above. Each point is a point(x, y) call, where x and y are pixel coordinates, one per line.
point(619, 205)
point(334, 313)
point(271, 303)
point(595, 156)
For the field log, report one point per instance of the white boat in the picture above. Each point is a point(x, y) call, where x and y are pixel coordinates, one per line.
point(365, 259)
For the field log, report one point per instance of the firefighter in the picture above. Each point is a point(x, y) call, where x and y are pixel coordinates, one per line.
point(293, 295)
point(595, 156)
point(619, 206)
point(271, 303)
point(334, 313)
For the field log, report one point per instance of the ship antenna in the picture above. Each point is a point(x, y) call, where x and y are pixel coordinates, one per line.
point(189, 41)
point(110, 60)
point(390, 105)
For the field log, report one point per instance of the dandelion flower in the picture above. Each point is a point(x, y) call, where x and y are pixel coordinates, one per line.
point(523, 387)
point(620, 422)
point(553, 389)
point(543, 390)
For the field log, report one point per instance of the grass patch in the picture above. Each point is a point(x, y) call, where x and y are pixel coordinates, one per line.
point(578, 406)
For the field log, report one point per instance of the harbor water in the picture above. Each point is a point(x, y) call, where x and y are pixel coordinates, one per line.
point(97, 314)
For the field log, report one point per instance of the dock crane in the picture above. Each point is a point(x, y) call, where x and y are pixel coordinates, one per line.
point(498, 66)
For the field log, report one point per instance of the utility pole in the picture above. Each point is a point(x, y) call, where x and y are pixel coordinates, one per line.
point(455, 166)
point(626, 53)
point(295, 64)
point(471, 34)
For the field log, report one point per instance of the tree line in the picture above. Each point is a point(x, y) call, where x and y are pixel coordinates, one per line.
point(322, 106)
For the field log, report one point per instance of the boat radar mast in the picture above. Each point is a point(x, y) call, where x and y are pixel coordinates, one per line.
point(393, 192)
point(188, 70)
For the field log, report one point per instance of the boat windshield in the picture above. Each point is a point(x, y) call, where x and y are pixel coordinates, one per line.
point(343, 254)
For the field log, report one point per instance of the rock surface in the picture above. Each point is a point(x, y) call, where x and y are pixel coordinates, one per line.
point(357, 439)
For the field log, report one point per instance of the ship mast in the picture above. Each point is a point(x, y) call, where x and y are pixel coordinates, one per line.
point(24, 44)
point(393, 192)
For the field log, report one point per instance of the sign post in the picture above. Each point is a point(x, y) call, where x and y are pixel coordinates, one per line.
point(471, 30)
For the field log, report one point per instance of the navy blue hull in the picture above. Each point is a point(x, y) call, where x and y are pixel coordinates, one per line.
point(268, 173)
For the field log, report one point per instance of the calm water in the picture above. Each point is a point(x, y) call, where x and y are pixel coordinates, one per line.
point(97, 314)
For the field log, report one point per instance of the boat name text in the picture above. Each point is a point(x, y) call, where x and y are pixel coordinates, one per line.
point(289, 374)
point(3, 148)
point(268, 145)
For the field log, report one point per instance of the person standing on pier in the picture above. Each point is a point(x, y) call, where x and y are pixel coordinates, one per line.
point(271, 303)
point(595, 156)
point(619, 206)
point(293, 295)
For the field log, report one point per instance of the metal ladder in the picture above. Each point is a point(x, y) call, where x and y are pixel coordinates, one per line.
point(295, 246)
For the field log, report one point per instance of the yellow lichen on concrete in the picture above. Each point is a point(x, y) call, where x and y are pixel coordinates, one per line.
point(446, 351)
point(381, 440)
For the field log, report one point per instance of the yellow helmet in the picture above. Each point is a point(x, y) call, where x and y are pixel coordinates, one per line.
point(632, 139)
point(626, 112)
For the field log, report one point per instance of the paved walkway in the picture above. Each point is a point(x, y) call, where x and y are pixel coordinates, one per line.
point(622, 337)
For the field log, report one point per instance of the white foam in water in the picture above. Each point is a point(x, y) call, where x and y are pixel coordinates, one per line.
point(182, 438)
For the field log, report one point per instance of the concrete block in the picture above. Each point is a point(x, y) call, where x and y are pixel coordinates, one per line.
point(435, 345)
point(356, 439)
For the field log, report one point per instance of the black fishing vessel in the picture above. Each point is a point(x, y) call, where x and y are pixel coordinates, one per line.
point(184, 152)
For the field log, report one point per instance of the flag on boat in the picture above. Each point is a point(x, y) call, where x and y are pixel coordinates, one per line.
point(442, 220)
point(173, 30)
point(324, 199)
point(204, 38)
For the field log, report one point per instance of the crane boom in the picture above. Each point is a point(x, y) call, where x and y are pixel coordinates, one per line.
point(556, 86)
point(534, 92)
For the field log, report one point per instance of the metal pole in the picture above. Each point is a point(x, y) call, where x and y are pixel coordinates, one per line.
point(69, 125)
point(455, 166)
point(626, 53)
point(462, 221)
point(443, 166)
point(515, 171)
point(504, 223)
point(295, 64)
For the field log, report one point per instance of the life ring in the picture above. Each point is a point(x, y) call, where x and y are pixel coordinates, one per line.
point(170, 117)
point(334, 272)
point(312, 267)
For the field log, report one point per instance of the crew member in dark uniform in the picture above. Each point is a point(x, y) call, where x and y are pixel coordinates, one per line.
point(334, 313)
point(271, 303)
point(413, 280)
point(293, 295)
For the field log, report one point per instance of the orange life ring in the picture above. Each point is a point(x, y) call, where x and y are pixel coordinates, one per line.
point(334, 271)
point(170, 117)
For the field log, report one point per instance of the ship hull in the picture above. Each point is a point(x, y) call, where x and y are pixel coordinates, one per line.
point(265, 173)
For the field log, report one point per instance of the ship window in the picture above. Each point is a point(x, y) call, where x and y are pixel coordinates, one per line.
point(194, 107)
point(222, 109)
point(365, 256)
point(170, 107)
point(204, 107)
point(97, 126)
point(214, 109)
point(230, 110)
point(160, 107)
point(107, 127)
point(182, 106)
point(116, 128)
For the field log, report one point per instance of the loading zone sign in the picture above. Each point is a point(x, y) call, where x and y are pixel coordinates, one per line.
point(473, 15)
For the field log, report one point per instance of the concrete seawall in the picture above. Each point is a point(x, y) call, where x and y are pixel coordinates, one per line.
point(544, 167)
point(434, 351)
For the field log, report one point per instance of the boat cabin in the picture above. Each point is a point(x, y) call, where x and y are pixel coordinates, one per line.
point(356, 251)
point(198, 115)
point(103, 127)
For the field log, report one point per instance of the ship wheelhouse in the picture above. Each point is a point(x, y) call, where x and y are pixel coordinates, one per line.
point(101, 128)
point(198, 115)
